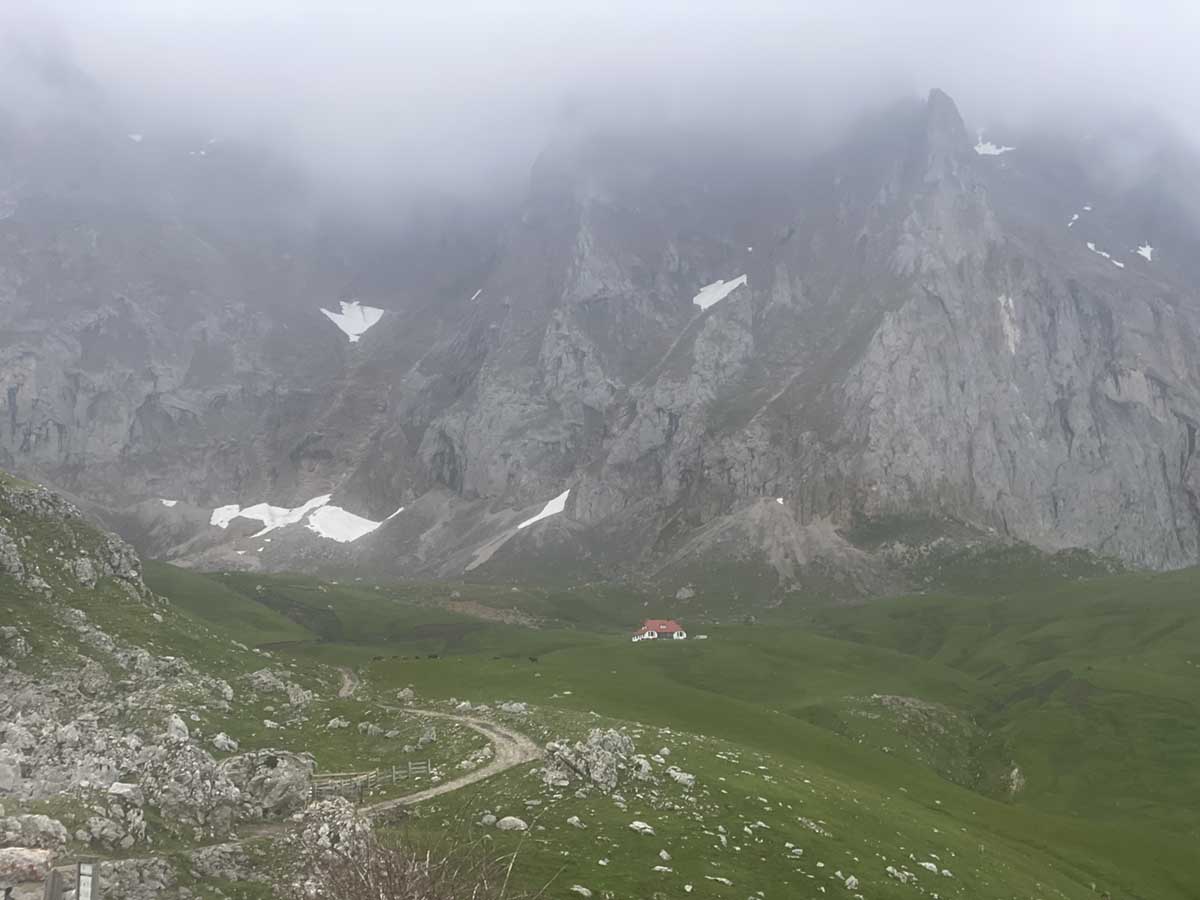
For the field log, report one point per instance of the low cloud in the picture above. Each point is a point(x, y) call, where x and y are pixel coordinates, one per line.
point(460, 95)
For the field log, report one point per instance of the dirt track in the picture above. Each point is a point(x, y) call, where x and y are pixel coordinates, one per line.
point(511, 749)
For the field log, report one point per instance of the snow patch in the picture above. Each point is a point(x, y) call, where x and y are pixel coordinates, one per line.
point(987, 148)
point(337, 524)
point(779, 500)
point(328, 521)
point(167, 503)
point(1091, 246)
point(1075, 216)
point(1146, 252)
point(273, 517)
point(354, 319)
point(717, 291)
point(475, 296)
point(223, 515)
point(552, 508)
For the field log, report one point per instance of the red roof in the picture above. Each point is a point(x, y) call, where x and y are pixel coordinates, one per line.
point(660, 625)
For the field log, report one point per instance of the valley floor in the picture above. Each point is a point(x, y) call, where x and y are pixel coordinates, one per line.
point(1038, 744)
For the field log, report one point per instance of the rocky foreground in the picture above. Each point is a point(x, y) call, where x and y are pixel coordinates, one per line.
point(98, 753)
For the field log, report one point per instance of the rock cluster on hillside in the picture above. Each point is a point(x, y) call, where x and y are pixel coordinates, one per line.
point(601, 761)
point(105, 728)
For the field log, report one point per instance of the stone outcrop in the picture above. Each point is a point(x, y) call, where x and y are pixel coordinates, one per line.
point(273, 782)
point(22, 865)
point(37, 831)
point(598, 761)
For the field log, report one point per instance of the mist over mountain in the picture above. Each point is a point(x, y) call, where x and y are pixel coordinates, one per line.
point(717, 301)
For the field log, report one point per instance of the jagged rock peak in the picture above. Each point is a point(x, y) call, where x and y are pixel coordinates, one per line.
point(945, 134)
point(943, 122)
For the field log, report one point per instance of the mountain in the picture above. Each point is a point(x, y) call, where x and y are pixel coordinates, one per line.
point(702, 360)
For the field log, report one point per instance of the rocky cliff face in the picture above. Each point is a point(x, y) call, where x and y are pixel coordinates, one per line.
point(929, 327)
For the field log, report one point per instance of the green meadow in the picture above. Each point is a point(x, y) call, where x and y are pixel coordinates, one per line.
point(1035, 743)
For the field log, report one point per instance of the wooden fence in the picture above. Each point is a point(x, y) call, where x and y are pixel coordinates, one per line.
point(357, 785)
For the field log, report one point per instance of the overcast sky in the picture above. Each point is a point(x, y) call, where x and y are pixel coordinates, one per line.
point(456, 92)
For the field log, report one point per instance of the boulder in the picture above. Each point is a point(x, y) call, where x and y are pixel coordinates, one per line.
point(18, 737)
point(10, 772)
point(687, 779)
point(12, 642)
point(272, 782)
point(298, 696)
point(266, 680)
point(84, 571)
point(67, 735)
point(332, 826)
point(512, 823)
point(185, 782)
point(599, 759)
point(224, 861)
point(177, 730)
point(225, 743)
point(41, 832)
point(137, 879)
point(130, 793)
point(23, 864)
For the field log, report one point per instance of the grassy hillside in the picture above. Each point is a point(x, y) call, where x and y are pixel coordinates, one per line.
point(911, 714)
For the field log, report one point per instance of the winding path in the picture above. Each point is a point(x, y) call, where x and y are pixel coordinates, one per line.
point(511, 749)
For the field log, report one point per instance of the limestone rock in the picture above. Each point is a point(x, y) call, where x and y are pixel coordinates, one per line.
point(273, 782)
point(130, 793)
point(598, 760)
point(10, 771)
point(177, 729)
point(22, 864)
point(36, 831)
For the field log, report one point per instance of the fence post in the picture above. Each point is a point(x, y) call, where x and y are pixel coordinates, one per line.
point(54, 886)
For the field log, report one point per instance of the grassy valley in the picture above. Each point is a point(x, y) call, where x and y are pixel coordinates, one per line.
point(1036, 742)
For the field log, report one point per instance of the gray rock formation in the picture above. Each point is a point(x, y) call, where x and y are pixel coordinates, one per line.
point(598, 761)
point(22, 864)
point(919, 336)
point(273, 782)
point(38, 831)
